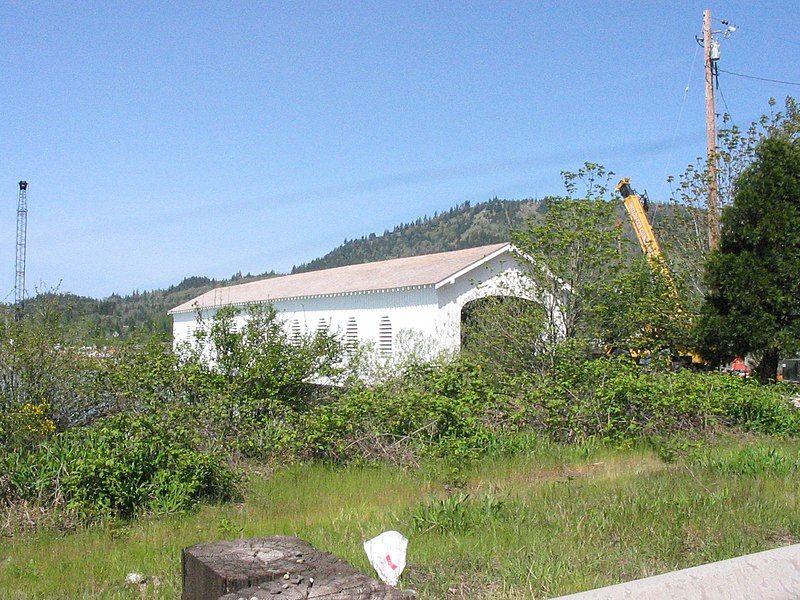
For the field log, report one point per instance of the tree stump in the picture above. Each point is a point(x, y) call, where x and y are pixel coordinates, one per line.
point(274, 567)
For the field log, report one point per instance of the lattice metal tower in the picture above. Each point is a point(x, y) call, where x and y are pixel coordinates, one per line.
point(22, 233)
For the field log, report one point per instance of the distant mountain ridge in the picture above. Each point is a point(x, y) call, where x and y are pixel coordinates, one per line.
point(463, 226)
point(102, 321)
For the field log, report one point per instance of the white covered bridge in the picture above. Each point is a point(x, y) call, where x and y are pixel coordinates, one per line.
point(389, 304)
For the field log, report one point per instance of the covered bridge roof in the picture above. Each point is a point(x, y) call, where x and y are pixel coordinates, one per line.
point(413, 271)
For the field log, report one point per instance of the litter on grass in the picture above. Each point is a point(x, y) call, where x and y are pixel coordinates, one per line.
point(135, 579)
point(387, 555)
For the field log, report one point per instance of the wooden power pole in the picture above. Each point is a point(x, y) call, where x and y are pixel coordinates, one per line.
point(711, 134)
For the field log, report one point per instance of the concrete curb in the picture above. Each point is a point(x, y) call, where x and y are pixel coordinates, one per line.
point(769, 575)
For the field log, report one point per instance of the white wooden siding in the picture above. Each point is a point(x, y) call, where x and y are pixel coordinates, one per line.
point(427, 317)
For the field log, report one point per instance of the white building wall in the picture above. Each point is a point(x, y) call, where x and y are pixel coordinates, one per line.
point(411, 313)
point(425, 320)
point(184, 326)
point(407, 310)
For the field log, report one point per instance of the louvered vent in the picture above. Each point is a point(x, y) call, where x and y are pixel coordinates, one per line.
point(322, 326)
point(351, 334)
point(295, 332)
point(385, 336)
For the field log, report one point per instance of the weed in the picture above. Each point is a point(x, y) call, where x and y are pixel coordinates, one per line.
point(459, 512)
point(753, 460)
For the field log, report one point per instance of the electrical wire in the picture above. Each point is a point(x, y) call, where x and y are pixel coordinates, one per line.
point(680, 113)
point(760, 78)
point(722, 95)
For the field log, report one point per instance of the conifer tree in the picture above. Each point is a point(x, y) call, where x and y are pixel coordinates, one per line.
point(753, 302)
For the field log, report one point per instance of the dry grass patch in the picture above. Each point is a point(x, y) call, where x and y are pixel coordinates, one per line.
point(516, 475)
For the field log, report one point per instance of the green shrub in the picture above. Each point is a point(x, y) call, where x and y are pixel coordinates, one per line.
point(122, 466)
point(41, 366)
point(454, 410)
point(618, 401)
point(445, 409)
point(25, 425)
point(257, 364)
point(757, 408)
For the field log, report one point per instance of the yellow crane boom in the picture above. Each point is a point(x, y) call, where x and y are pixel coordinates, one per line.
point(644, 231)
point(637, 211)
point(641, 224)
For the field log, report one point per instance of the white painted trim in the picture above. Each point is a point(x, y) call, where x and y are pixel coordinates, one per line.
point(289, 298)
point(451, 279)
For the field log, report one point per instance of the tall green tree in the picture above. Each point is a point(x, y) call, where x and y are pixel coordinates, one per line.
point(753, 302)
point(683, 228)
point(573, 255)
point(594, 290)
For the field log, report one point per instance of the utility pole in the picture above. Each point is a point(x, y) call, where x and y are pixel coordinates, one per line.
point(711, 51)
point(22, 232)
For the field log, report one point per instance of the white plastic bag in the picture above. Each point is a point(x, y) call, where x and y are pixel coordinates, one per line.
point(387, 554)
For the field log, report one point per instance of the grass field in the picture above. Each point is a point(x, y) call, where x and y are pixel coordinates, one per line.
point(547, 521)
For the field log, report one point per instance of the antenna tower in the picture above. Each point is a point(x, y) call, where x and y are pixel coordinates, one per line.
point(22, 232)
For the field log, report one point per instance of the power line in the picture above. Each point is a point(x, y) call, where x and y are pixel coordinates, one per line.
point(683, 105)
point(722, 95)
point(759, 78)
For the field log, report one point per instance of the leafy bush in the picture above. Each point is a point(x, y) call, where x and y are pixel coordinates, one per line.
point(241, 381)
point(122, 466)
point(445, 409)
point(40, 366)
point(616, 400)
point(454, 410)
point(25, 425)
point(143, 371)
point(258, 360)
point(756, 408)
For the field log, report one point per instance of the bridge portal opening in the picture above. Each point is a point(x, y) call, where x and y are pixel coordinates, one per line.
point(503, 330)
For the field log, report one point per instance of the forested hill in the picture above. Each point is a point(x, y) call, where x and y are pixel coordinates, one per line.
point(100, 322)
point(463, 226)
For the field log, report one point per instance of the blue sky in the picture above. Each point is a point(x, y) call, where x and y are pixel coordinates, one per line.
point(175, 139)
